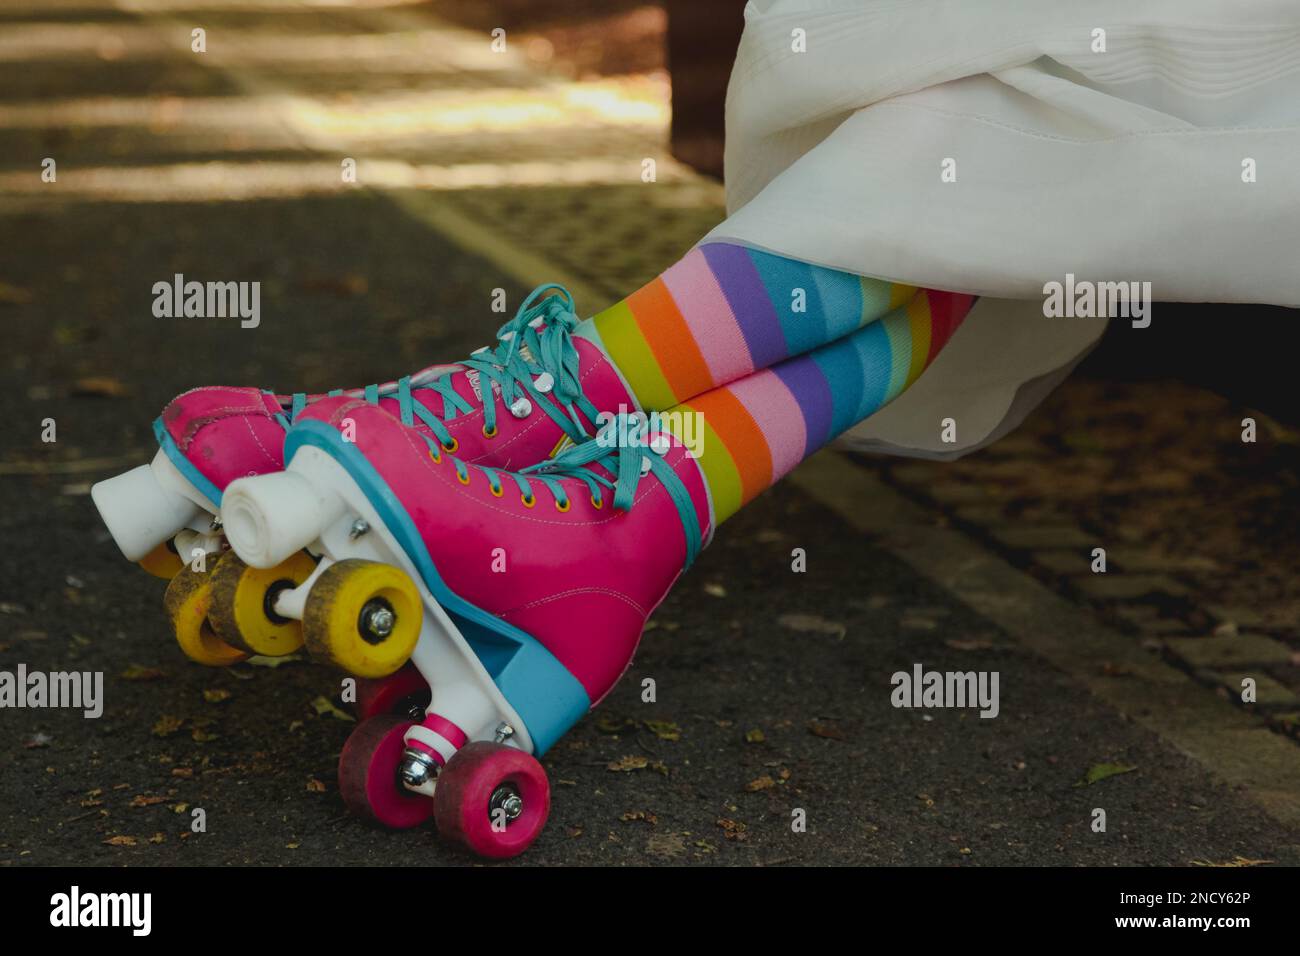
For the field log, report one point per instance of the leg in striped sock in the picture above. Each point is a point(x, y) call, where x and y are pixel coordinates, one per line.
point(725, 311)
point(759, 427)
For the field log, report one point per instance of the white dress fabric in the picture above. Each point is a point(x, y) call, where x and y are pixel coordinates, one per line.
point(1123, 165)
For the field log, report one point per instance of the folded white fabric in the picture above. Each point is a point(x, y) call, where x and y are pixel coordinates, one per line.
point(993, 147)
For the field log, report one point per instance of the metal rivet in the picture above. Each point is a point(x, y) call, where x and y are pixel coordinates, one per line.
point(521, 407)
point(544, 382)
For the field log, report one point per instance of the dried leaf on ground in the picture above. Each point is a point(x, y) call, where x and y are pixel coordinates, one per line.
point(167, 725)
point(664, 729)
point(100, 386)
point(827, 729)
point(325, 706)
point(812, 624)
point(138, 672)
point(627, 764)
point(1101, 771)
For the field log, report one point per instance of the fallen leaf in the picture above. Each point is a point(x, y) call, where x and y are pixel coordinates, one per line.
point(273, 662)
point(715, 590)
point(1101, 771)
point(120, 841)
point(1234, 862)
point(626, 764)
point(958, 645)
point(755, 736)
point(762, 783)
point(216, 695)
point(825, 729)
point(812, 624)
point(645, 815)
point(324, 706)
point(140, 800)
point(733, 829)
point(665, 845)
point(315, 786)
point(664, 730)
point(141, 673)
point(342, 286)
point(609, 724)
point(201, 736)
point(158, 838)
point(12, 295)
point(167, 725)
point(99, 386)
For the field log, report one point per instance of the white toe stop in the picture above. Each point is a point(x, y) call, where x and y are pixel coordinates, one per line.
point(269, 517)
point(141, 510)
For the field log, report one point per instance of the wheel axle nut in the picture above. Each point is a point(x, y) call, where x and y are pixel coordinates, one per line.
point(416, 769)
point(379, 621)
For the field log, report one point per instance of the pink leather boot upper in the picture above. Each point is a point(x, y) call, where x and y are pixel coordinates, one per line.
point(231, 432)
point(572, 570)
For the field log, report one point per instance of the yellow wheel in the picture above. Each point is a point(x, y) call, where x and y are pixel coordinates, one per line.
point(188, 599)
point(363, 617)
point(163, 561)
point(243, 604)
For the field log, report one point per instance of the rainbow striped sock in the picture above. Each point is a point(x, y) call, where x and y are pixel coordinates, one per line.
point(723, 312)
point(759, 427)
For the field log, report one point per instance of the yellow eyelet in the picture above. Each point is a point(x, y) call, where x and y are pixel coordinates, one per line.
point(497, 491)
point(489, 432)
point(437, 459)
point(452, 447)
point(463, 479)
point(597, 502)
point(528, 501)
point(564, 507)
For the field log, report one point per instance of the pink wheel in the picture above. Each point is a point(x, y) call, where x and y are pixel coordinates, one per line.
point(397, 694)
point(492, 798)
point(368, 775)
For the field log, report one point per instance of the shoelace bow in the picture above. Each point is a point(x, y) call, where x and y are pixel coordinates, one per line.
point(622, 450)
point(523, 358)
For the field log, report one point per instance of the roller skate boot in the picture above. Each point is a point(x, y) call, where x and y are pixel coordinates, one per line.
point(510, 406)
point(518, 596)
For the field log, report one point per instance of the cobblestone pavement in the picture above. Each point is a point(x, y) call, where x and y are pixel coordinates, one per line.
point(1201, 530)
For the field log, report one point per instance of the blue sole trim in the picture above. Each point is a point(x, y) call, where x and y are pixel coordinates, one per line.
point(546, 696)
point(195, 477)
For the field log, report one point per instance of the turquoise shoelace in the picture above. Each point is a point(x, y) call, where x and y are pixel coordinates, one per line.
point(523, 357)
point(620, 449)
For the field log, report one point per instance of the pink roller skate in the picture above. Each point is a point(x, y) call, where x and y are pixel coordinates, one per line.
point(546, 388)
point(520, 597)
